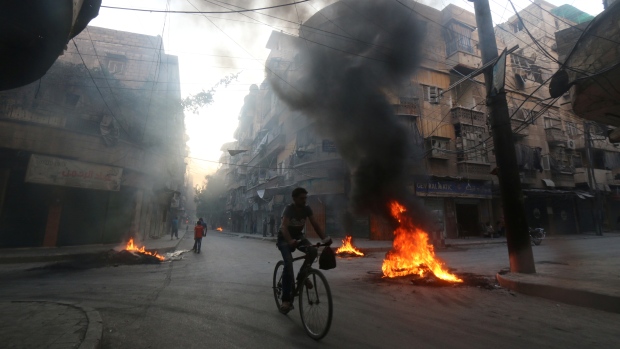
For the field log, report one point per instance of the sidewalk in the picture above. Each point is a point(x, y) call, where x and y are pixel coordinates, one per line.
point(43, 324)
point(574, 273)
point(381, 245)
point(52, 254)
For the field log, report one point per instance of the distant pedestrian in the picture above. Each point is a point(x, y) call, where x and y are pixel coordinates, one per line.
point(175, 228)
point(489, 230)
point(272, 224)
point(199, 232)
point(264, 226)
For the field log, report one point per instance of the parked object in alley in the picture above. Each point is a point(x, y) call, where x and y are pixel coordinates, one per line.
point(348, 250)
point(537, 235)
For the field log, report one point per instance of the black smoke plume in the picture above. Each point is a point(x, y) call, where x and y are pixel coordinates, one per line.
point(341, 82)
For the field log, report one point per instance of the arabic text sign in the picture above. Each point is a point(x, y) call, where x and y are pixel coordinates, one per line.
point(70, 173)
point(454, 189)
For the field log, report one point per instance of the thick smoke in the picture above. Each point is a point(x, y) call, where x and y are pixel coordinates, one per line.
point(341, 83)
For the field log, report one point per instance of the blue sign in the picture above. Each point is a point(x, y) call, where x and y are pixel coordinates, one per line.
point(454, 189)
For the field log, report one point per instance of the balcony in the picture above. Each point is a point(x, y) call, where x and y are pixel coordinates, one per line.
point(305, 158)
point(462, 115)
point(563, 179)
point(462, 56)
point(555, 136)
point(474, 170)
point(519, 128)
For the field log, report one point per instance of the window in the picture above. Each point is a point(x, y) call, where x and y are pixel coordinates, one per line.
point(526, 68)
point(571, 128)
point(473, 147)
point(438, 147)
point(72, 99)
point(432, 94)
point(116, 67)
point(458, 38)
point(552, 123)
point(516, 26)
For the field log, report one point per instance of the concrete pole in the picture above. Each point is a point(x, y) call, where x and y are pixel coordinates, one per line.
point(517, 233)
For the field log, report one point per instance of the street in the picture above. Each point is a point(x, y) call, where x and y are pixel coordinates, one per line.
point(222, 298)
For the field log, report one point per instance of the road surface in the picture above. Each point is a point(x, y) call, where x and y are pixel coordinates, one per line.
point(222, 298)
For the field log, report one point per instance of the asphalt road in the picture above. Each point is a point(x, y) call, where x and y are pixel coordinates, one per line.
point(222, 298)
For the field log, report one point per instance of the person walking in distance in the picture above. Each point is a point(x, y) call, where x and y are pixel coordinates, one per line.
point(175, 228)
point(291, 237)
point(272, 224)
point(199, 232)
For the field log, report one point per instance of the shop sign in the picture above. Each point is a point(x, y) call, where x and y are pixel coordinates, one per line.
point(70, 173)
point(454, 189)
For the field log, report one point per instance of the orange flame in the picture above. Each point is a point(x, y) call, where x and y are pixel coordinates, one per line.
point(347, 247)
point(131, 247)
point(219, 229)
point(411, 251)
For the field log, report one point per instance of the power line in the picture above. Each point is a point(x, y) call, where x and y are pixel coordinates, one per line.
point(203, 12)
point(97, 87)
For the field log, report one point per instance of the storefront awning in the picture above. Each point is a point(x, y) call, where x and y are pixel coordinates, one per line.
point(549, 183)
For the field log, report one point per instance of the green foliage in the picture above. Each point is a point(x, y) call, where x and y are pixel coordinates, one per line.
point(204, 98)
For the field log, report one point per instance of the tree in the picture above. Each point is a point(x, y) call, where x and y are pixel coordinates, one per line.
point(204, 98)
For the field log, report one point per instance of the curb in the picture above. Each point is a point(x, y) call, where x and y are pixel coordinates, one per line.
point(62, 257)
point(94, 331)
point(476, 243)
point(579, 297)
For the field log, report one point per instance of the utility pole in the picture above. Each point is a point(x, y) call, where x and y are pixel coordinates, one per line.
point(517, 232)
point(592, 179)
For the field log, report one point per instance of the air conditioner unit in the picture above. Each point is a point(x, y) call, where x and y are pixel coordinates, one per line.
point(570, 144)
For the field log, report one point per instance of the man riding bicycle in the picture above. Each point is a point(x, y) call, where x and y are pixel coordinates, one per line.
point(291, 237)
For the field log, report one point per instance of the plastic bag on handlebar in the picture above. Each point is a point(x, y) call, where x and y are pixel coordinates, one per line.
point(327, 260)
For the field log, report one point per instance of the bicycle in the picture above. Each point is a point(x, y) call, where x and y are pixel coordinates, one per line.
point(315, 304)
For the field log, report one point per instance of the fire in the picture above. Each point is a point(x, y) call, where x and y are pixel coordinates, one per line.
point(347, 247)
point(132, 247)
point(411, 251)
point(219, 229)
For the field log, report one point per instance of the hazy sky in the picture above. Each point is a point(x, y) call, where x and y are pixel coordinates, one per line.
point(210, 47)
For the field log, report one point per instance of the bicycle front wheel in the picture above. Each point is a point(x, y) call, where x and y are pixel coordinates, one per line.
point(277, 283)
point(315, 304)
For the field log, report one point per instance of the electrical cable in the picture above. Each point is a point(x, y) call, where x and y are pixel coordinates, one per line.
point(203, 12)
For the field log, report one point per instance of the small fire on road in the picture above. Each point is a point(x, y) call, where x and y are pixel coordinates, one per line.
point(133, 248)
point(347, 248)
point(411, 252)
point(219, 229)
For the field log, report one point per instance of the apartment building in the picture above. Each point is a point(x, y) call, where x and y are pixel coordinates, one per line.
point(449, 120)
point(94, 151)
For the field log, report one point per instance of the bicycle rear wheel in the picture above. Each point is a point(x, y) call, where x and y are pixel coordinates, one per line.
point(315, 305)
point(277, 283)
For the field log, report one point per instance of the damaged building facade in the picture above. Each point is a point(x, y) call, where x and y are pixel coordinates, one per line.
point(93, 152)
point(278, 149)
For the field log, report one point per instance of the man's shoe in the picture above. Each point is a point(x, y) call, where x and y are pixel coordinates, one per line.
point(286, 307)
point(309, 284)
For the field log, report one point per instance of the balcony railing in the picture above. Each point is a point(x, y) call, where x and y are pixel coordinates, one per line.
point(467, 116)
point(519, 128)
point(474, 170)
point(563, 179)
point(555, 135)
point(464, 45)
